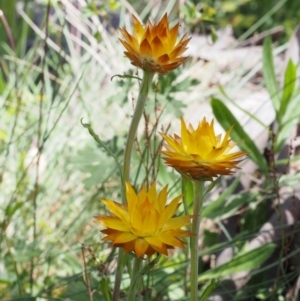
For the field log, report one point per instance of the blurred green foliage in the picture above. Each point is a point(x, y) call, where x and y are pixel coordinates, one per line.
point(243, 14)
point(46, 91)
point(240, 14)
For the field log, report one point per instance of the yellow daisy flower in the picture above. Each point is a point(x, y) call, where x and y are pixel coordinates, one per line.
point(144, 225)
point(153, 47)
point(200, 154)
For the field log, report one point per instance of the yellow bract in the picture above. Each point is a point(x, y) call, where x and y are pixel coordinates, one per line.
point(153, 47)
point(144, 225)
point(200, 154)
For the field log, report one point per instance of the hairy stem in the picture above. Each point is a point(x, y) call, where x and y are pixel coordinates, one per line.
point(198, 202)
point(146, 82)
point(138, 112)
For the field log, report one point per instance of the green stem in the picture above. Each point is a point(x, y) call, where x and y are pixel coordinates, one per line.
point(135, 279)
point(122, 256)
point(184, 198)
point(186, 250)
point(198, 202)
point(146, 82)
point(138, 112)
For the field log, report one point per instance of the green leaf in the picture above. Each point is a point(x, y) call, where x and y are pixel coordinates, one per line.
point(269, 73)
point(289, 180)
point(125, 76)
point(188, 194)
point(104, 288)
point(97, 166)
point(290, 77)
point(289, 120)
point(208, 290)
point(209, 238)
point(284, 133)
point(214, 207)
point(245, 111)
point(234, 203)
point(226, 119)
point(114, 4)
point(12, 208)
point(213, 34)
point(242, 262)
point(136, 280)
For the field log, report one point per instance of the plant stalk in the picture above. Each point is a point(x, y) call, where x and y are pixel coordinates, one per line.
point(134, 284)
point(198, 204)
point(122, 256)
point(138, 112)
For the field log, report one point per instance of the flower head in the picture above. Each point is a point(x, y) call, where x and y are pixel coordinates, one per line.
point(199, 153)
point(144, 225)
point(153, 47)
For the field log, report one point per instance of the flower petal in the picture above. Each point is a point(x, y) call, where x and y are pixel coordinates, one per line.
point(112, 223)
point(145, 48)
point(145, 225)
point(169, 239)
point(168, 212)
point(153, 47)
point(177, 222)
point(125, 237)
point(199, 153)
point(140, 247)
point(157, 245)
point(118, 210)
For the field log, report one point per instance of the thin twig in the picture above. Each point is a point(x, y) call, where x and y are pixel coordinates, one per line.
point(273, 174)
point(8, 31)
point(86, 276)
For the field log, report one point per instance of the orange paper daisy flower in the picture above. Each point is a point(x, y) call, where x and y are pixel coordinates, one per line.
point(144, 225)
point(200, 154)
point(153, 47)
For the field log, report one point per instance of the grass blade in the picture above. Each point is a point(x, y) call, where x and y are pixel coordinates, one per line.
point(226, 119)
point(242, 262)
point(269, 73)
point(288, 88)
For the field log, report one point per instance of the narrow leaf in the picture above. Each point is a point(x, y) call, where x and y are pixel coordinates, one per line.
point(188, 194)
point(269, 73)
point(104, 288)
point(12, 208)
point(208, 290)
point(247, 112)
point(210, 210)
point(288, 88)
point(243, 262)
point(226, 119)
